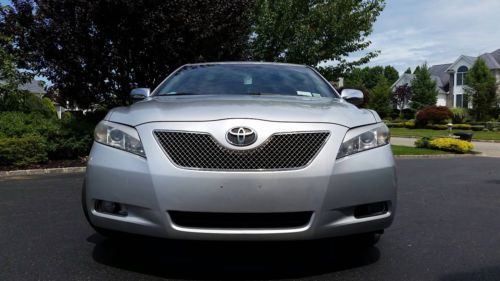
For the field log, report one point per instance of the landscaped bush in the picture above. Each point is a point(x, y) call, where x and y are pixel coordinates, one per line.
point(410, 124)
point(56, 139)
point(477, 127)
point(461, 127)
point(459, 114)
point(433, 115)
point(408, 113)
point(422, 143)
point(396, 125)
point(17, 124)
point(492, 126)
point(437, 127)
point(22, 151)
point(449, 144)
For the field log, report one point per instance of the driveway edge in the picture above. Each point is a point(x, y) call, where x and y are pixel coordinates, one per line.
point(66, 170)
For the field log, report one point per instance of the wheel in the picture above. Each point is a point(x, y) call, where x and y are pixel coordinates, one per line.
point(113, 234)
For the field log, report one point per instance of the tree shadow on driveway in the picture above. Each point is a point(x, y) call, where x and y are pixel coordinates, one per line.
point(209, 260)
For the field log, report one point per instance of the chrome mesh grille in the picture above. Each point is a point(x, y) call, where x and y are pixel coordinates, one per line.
point(280, 151)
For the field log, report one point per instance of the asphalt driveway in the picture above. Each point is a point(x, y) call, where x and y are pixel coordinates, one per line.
point(447, 228)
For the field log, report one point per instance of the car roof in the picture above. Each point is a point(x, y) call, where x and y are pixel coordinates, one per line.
point(248, 62)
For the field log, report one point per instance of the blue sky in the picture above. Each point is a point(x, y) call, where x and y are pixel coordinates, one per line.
point(411, 32)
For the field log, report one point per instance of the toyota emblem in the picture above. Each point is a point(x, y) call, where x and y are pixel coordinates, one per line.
point(241, 136)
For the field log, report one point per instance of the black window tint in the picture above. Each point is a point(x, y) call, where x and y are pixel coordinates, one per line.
point(235, 79)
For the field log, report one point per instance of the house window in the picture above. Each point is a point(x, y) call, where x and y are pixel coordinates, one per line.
point(460, 101)
point(461, 75)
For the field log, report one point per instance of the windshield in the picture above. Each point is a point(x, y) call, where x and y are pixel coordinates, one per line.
point(246, 79)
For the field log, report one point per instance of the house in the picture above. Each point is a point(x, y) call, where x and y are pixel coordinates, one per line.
point(450, 77)
point(35, 87)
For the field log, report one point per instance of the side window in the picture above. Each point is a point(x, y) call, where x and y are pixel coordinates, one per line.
point(461, 75)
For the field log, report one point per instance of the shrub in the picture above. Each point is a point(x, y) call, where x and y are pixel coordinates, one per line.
point(27, 102)
point(437, 127)
point(408, 113)
point(459, 114)
point(433, 115)
point(22, 151)
point(396, 125)
point(74, 138)
point(422, 143)
point(68, 138)
point(492, 126)
point(17, 124)
point(477, 127)
point(461, 126)
point(449, 144)
point(409, 124)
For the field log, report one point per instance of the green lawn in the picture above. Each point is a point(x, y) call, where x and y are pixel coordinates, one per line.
point(479, 135)
point(407, 150)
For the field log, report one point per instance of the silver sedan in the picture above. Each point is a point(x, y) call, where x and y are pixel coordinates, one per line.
point(242, 151)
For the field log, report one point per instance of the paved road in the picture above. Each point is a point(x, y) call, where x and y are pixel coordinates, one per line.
point(490, 149)
point(447, 228)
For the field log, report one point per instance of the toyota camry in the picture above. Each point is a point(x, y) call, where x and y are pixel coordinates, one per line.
point(242, 151)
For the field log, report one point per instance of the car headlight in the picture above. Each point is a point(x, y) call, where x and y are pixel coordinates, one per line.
point(119, 136)
point(364, 138)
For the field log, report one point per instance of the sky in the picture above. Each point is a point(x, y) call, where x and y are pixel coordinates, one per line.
point(411, 32)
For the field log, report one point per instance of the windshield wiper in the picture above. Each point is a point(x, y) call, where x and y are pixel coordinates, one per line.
point(177, 94)
point(261, 94)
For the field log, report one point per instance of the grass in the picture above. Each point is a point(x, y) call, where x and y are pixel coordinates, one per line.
point(418, 133)
point(407, 150)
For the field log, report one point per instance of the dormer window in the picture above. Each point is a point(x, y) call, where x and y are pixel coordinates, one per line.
point(461, 75)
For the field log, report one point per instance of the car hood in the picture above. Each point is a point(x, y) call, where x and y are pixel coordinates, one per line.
point(270, 108)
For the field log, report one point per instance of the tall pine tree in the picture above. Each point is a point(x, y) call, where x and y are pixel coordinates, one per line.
point(482, 91)
point(423, 88)
point(381, 98)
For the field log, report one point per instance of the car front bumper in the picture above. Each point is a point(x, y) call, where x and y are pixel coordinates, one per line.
point(329, 188)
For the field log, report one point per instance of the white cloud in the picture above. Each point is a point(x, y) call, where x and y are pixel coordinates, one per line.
point(409, 33)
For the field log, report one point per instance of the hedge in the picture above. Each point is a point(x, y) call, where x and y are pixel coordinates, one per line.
point(22, 151)
point(453, 145)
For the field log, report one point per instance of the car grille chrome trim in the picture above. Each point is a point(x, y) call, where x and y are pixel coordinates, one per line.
point(281, 151)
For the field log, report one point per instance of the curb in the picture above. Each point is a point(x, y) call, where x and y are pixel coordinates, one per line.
point(30, 172)
point(417, 137)
point(435, 156)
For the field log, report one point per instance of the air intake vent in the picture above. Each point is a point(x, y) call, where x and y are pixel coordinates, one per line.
point(280, 151)
point(240, 220)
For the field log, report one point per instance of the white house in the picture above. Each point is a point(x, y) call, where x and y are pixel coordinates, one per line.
point(450, 78)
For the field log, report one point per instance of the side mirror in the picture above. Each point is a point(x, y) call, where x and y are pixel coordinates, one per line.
point(138, 94)
point(352, 96)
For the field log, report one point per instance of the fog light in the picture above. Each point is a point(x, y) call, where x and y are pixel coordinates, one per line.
point(109, 207)
point(370, 210)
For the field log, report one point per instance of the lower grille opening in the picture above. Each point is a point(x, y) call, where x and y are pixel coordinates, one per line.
point(240, 220)
point(370, 210)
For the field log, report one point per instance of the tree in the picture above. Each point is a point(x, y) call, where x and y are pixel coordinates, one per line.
point(369, 77)
point(311, 31)
point(482, 90)
point(391, 74)
point(380, 99)
point(416, 69)
point(401, 97)
point(423, 88)
point(10, 76)
point(408, 70)
point(96, 51)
